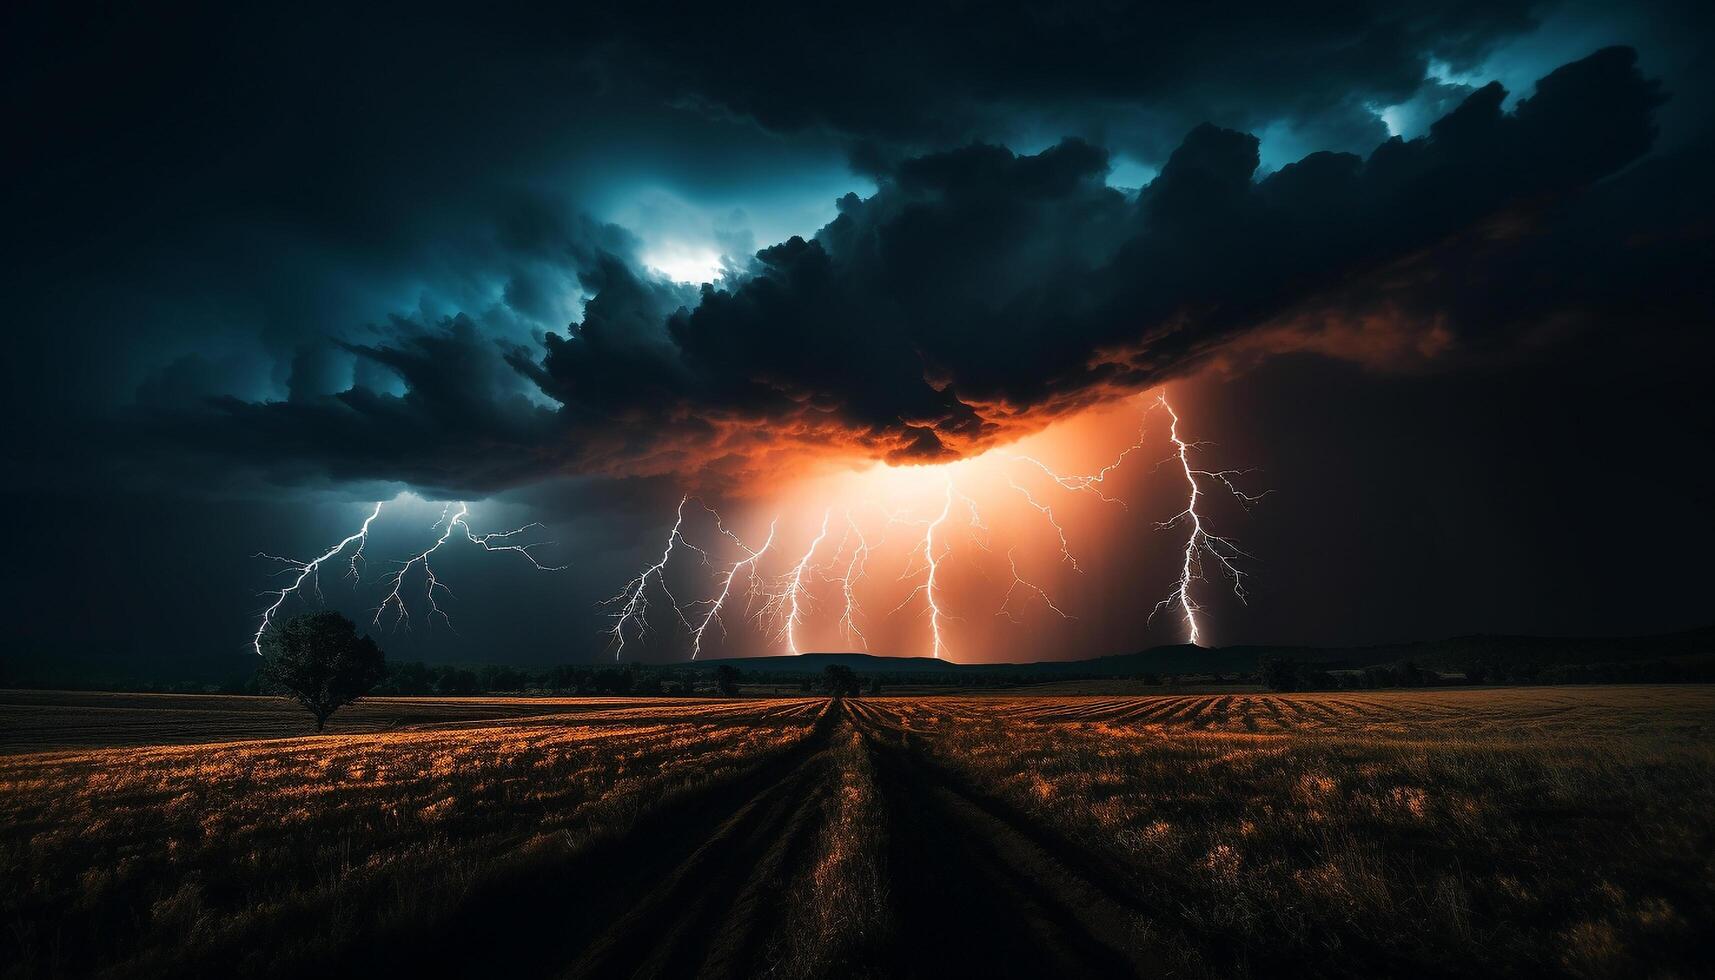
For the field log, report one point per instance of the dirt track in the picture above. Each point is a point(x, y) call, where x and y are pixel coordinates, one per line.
point(973, 891)
point(710, 886)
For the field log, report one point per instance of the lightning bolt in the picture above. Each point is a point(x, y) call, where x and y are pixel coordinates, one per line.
point(855, 567)
point(1091, 483)
point(1048, 513)
point(932, 567)
point(396, 581)
point(633, 599)
point(454, 517)
point(712, 614)
point(1201, 541)
point(308, 571)
point(796, 598)
point(502, 541)
point(979, 530)
point(1019, 582)
point(784, 604)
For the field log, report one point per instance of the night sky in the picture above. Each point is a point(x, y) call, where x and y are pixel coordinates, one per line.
point(1437, 275)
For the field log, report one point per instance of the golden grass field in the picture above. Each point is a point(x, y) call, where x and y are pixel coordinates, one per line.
point(33, 721)
point(1504, 831)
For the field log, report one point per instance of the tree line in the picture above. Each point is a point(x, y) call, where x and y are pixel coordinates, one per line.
point(321, 661)
point(1291, 674)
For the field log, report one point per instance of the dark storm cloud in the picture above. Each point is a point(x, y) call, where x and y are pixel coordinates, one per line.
point(226, 185)
point(1129, 76)
point(360, 237)
point(976, 288)
point(265, 262)
point(1022, 282)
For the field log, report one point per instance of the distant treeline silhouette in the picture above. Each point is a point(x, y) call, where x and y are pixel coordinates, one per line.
point(1674, 658)
point(630, 680)
point(1290, 674)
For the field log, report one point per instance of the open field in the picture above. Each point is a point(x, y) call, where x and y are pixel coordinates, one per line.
point(1522, 831)
point(33, 721)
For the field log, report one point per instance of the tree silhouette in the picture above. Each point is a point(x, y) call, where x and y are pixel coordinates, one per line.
point(726, 679)
point(320, 661)
point(841, 680)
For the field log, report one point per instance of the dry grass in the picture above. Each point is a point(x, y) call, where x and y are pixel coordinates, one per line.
point(1585, 712)
point(840, 906)
point(1514, 831)
point(36, 721)
point(140, 858)
point(1447, 832)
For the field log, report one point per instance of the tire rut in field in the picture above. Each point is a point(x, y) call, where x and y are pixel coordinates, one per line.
point(713, 915)
point(973, 896)
point(683, 892)
point(701, 887)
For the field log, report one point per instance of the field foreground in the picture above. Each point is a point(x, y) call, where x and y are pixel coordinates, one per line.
point(1560, 830)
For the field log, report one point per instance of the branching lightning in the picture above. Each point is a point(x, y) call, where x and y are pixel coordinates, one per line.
point(931, 567)
point(797, 597)
point(1092, 483)
point(855, 567)
point(1201, 542)
point(1048, 513)
point(979, 530)
point(633, 600)
point(713, 613)
point(453, 517)
point(397, 579)
point(308, 571)
point(789, 602)
point(785, 604)
point(502, 541)
point(1018, 582)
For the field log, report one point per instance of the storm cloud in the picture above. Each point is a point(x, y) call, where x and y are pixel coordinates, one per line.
point(892, 76)
point(267, 264)
point(976, 295)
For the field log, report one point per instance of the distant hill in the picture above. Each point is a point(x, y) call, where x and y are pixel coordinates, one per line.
point(815, 663)
point(1687, 656)
point(1544, 650)
point(1454, 653)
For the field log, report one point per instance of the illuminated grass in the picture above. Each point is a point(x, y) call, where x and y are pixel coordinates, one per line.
point(1561, 829)
point(1523, 831)
point(143, 856)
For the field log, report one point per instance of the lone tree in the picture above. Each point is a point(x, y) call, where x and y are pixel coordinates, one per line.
point(320, 661)
point(841, 680)
point(726, 679)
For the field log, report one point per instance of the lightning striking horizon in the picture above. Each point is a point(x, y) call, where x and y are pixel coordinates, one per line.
point(796, 597)
point(855, 568)
point(713, 613)
point(932, 567)
point(1201, 541)
point(784, 604)
point(789, 602)
point(635, 607)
